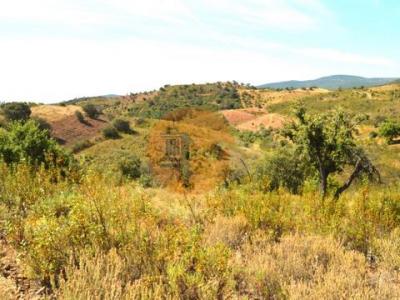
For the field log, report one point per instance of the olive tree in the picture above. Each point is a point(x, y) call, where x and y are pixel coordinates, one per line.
point(327, 142)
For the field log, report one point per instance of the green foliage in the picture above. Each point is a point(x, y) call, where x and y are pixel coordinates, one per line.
point(91, 110)
point(170, 98)
point(27, 142)
point(390, 130)
point(130, 166)
point(16, 111)
point(81, 145)
point(80, 116)
point(327, 142)
point(249, 137)
point(110, 132)
point(42, 123)
point(122, 125)
point(284, 169)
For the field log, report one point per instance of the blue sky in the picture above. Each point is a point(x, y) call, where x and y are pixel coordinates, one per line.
point(52, 50)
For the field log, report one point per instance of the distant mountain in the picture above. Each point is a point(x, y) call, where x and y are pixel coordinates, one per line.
point(330, 82)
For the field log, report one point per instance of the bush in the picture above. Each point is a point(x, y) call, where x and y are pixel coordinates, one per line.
point(122, 126)
point(80, 116)
point(91, 110)
point(16, 111)
point(130, 166)
point(390, 130)
point(110, 132)
point(81, 145)
point(284, 169)
point(42, 123)
point(27, 142)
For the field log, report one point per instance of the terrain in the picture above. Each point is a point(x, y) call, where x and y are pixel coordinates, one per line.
point(118, 223)
point(331, 82)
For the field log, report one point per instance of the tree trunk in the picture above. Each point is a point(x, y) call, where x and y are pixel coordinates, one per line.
point(357, 169)
point(323, 177)
point(324, 183)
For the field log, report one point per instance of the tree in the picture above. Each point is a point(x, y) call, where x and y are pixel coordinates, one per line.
point(110, 132)
point(390, 130)
point(284, 169)
point(327, 142)
point(122, 125)
point(16, 111)
point(27, 142)
point(91, 110)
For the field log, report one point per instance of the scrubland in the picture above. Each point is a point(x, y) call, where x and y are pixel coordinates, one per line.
point(91, 237)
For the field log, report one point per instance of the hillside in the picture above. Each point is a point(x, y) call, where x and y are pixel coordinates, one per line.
point(217, 222)
point(65, 126)
point(330, 82)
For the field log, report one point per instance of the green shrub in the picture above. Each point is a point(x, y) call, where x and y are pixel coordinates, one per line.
point(16, 111)
point(27, 142)
point(81, 145)
point(284, 169)
point(130, 166)
point(122, 125)
point(80, 116)
point(390, 130)
point(110, 132)
point(91, 110)
point(42, 123)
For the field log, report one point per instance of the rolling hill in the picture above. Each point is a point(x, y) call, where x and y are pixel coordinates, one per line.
point(330, 82)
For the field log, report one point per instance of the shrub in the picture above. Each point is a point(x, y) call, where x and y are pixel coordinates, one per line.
point(91, 110)
point(110, 132)
point(42, 123)
point(27, 142)
point(284, 169)
point(390, 130)
point(16, 111)
point(80, 116)
point(130, 166)
point(122, 125)
point(81, 145)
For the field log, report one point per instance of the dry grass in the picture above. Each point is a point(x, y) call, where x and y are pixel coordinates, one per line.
point(267, 97)
point(311, 267)
point(8, 290)
point(274, 121)
point(64, 124)
point(253, 119)
point(54, 113)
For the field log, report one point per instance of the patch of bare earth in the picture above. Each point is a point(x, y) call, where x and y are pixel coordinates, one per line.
point(65, 126)
point(253, 119)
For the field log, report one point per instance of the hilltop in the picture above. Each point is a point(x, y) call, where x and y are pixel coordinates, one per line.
point(331, 82)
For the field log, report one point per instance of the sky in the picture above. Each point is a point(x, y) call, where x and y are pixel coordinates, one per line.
point(54, 50)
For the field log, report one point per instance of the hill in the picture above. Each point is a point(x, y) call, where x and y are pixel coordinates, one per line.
point(330, 82)
point(210, 221)
point(65, 126)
